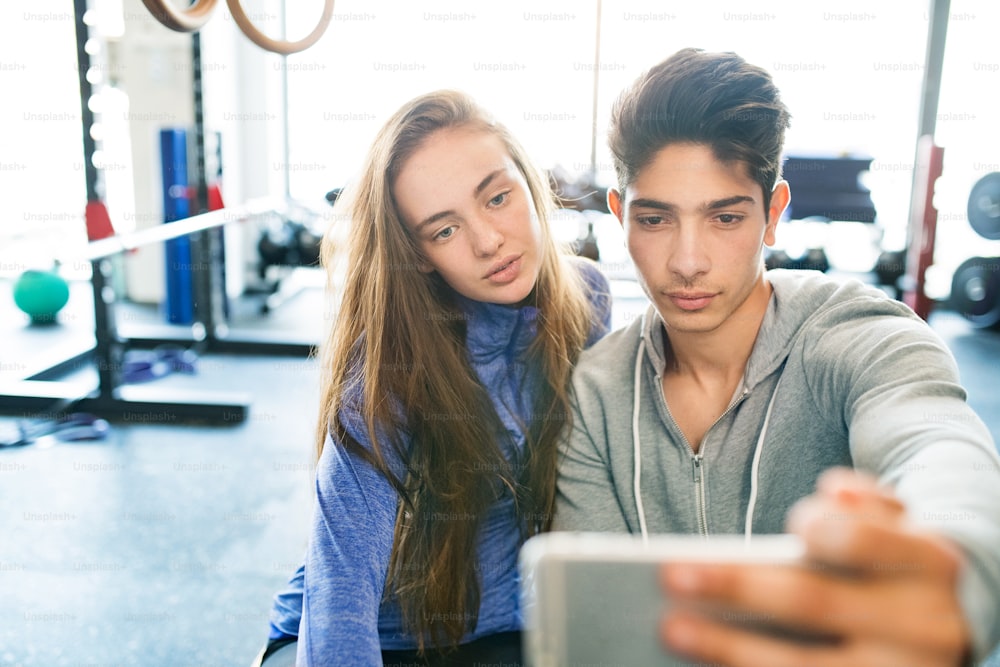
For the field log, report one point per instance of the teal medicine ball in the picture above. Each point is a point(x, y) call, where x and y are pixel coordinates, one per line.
point(41, 294)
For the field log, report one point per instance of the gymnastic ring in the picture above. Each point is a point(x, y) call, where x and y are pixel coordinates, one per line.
point(181, 20)
point(279, 46)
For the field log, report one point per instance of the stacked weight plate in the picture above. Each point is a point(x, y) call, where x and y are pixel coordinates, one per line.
point(975, 287)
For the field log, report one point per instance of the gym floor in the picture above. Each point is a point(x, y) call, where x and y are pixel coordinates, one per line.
point(162, 545)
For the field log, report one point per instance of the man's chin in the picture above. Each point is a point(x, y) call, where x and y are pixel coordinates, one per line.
point(689, 322)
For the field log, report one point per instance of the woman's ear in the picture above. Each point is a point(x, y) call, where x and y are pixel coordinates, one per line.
point(421, 263)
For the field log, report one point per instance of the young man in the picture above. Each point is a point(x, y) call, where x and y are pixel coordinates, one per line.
point(736, 402)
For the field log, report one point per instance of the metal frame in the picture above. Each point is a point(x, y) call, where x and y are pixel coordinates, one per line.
point(136, 403)
point(39, 393)
point(927, 166)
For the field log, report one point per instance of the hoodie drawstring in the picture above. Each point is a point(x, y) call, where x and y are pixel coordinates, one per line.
point(637, 450)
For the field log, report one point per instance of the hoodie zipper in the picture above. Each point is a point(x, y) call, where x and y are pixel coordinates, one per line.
point(699, 495)
point(698, 467)
point(697, 459)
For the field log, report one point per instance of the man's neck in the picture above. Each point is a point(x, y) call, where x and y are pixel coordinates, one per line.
point(720, 354)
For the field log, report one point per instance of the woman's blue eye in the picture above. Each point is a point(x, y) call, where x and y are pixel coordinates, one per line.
point(445, 233)
point(499, 199)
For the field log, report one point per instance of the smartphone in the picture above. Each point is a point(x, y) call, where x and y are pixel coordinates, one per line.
point(594, 599)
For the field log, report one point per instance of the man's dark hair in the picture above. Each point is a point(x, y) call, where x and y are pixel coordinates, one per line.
point(715, 99)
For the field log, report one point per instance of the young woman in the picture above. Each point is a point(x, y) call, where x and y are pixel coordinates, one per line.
point(445, 392)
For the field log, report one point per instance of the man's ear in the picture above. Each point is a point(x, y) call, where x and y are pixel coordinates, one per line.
point(616, 205)
point(781, 195)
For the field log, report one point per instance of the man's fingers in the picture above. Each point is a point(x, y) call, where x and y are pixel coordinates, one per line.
point(784, 596)
point(858, 489)
point(814, 602)
point(866, 542)
point(695, 637)
point(718, 643)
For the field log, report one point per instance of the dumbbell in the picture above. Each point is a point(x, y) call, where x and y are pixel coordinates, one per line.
point(273, 250)
point(890, 267)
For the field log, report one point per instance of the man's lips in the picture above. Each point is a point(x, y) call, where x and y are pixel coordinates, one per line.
point(691, 300)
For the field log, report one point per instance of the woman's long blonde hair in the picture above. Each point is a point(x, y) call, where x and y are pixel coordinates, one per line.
point(398, 342)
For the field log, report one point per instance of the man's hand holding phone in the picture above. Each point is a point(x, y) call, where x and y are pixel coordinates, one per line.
point(876, 589)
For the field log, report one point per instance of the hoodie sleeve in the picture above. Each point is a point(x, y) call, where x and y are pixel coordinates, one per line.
point(896, 386)
point(286, 609)
point(348, 556)
point(586, 493)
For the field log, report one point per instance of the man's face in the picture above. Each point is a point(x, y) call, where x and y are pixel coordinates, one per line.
point(695, 228)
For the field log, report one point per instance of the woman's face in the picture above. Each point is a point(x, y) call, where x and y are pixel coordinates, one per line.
point(469, 207)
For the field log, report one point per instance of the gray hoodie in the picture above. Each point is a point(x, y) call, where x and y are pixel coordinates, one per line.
point(863, 382)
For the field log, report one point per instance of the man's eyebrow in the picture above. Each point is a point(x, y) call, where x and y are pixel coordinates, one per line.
point(713, 205)
point(727, 202)
point(652, 203)
point(483, 184)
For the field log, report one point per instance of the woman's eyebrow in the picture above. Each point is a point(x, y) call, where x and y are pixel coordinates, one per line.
point(486, 181)
point(483, 184)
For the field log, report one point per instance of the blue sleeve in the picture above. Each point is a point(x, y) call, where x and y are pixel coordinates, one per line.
point(286, 612)
point(599, 294)
point(347, 559)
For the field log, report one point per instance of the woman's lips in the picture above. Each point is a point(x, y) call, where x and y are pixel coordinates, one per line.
point(506, 270)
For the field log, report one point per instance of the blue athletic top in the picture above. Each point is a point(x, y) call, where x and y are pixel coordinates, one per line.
point(335, 603)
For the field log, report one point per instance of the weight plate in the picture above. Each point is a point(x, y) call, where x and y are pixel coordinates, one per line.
point(984, 206)
point(975, 290)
